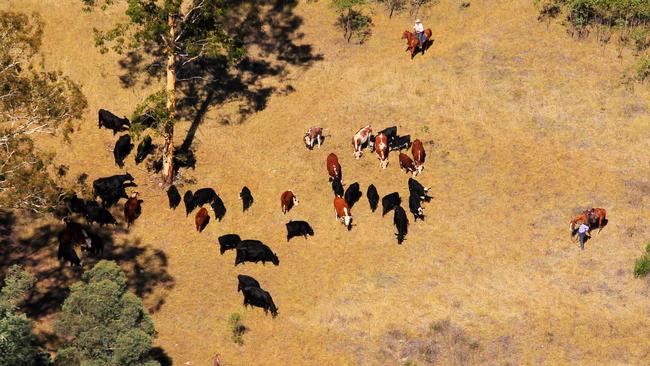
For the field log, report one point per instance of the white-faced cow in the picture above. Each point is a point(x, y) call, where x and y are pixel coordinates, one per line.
point(381, 149)
point(342, 211)
point(361, 138)
point(288, 200)
point(333, 167)
point(418, 155)
point(313, 136)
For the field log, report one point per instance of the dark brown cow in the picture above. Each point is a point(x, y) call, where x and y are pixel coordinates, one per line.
point(288, 200)
point(74, 234)
point(343, 213)
point(418, 155)
point(132, 208)
point(407, 164)
point(201, 219)
point(381, 149)
point(333, 167)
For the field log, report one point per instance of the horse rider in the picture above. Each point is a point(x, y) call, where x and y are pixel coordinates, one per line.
point(583, 233)
point(419, 32)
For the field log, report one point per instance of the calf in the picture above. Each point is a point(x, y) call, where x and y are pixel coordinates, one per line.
point(401, 222)
point(246, 281)
point(145, 147)
point(66, 253)
point(333, 167)
point(228, 241)
point(373, 197)
point(360, 139)
point(406, 164)
point(381, 149)
point(352, 194)
point(132, 208)
point(99, 215)
point(389, 202)
point(337, 187)
point(218, 208)
point(400, 143)
point(112, 122)
point(73, 233)
point(390, 133)
point(246, 198)
point(343, 212)
point(188, 200)
point(418, 155)
point(419, 190)
point(298, 228)
point(203, 196)
point(255, 251)
point(313, 135)
point(122, 149)
point(255, 296)
point(415, 208)
point(174, 197)
point(288, 200)
point(201, 219)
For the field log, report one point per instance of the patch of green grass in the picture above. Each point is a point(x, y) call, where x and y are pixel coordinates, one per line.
point(237, 328)
point(642, 265)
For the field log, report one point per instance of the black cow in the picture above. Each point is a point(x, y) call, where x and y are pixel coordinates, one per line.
point(188, 200)
point(75, 204)
point(246, 198)
point(100, 215)
point(203, 196)
point(299, 228)
point(246, 281)
point(255, 251)
point(337, 187)
point(352, 194)
point(174, 197)
point(419, 190)
point(109, 199)
point(66, 252)
point(145, 147)
point(371, 142)
point(218, 207)
point(373, 197)
point(228, 241)
point(390, 132)
point(112, 183)
point(400, 143)
point(401, 222)
point(255, 296)
point(415, 208)
point(122, 149)
point(389, 202)
point(112, 122)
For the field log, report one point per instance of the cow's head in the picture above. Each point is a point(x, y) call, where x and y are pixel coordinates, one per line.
point(347, 220)
point(307, 139)
point(275, 260)
point(128, 176)
point(295, 200)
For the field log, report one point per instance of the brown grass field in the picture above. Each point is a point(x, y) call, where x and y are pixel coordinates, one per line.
point(524, 127)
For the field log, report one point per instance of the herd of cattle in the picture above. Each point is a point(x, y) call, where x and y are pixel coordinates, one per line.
point(111, 189)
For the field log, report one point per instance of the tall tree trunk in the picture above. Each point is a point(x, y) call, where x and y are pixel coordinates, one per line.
point(168, 151)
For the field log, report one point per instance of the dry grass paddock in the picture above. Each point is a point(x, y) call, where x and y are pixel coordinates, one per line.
point(523, 127)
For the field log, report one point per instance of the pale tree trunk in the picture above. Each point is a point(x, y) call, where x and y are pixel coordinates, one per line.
point(168, 150)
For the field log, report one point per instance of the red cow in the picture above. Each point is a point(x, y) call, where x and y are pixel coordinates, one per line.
point(342, 211)
point(407, 164)
point(201, 219)
point(313, 135)
point(132, 208)
point(418, 155)
point(288, 200)
point(73, 233)
point(361, 138)
point(333, 167)
point(381, 149)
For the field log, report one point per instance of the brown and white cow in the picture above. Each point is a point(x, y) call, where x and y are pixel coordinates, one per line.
point(132, 208)
point(381, 149)
point(361, 138)
point(418, 155)
point(405, 163)
point(288, 200)
point(342, 211)
point(201, 219)
point(313, 135)
point(333, 167)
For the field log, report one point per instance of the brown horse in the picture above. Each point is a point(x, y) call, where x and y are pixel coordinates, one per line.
point(590, 218)
point(412, 41)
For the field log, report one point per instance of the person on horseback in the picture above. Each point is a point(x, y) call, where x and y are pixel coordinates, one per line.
point(419, 32)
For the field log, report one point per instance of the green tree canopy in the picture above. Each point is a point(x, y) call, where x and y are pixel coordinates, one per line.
point(102, 323)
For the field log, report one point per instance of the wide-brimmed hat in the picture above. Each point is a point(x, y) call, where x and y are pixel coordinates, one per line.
point(417, 20)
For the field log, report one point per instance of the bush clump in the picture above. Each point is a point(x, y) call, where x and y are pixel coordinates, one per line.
point(642, 265)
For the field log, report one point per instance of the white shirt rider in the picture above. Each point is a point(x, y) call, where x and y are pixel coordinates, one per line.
point(418, 27)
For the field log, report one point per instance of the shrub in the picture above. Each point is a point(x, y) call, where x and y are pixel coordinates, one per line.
point(237, 328)
point(642, 265)
point(352, 21)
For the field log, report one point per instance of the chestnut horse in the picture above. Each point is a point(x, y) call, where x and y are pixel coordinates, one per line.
point(590, 218)
point(412, 41)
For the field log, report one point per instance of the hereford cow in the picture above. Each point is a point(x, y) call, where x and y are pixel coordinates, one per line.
point(343, 212)
point(228, 241)
point(174, 197)
point(112, 122)
point(132, 208)
point(418, 155)
point(255, 251)
point(360, 139)
point(246, 281)
point(381, 149)
point(288, 200)
point(299, 228)
point(373, 197)
point(333, 167)
point(313, 135)
point(406, 164)
point(255, 296)
point(201, 219)
point(246, 198)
